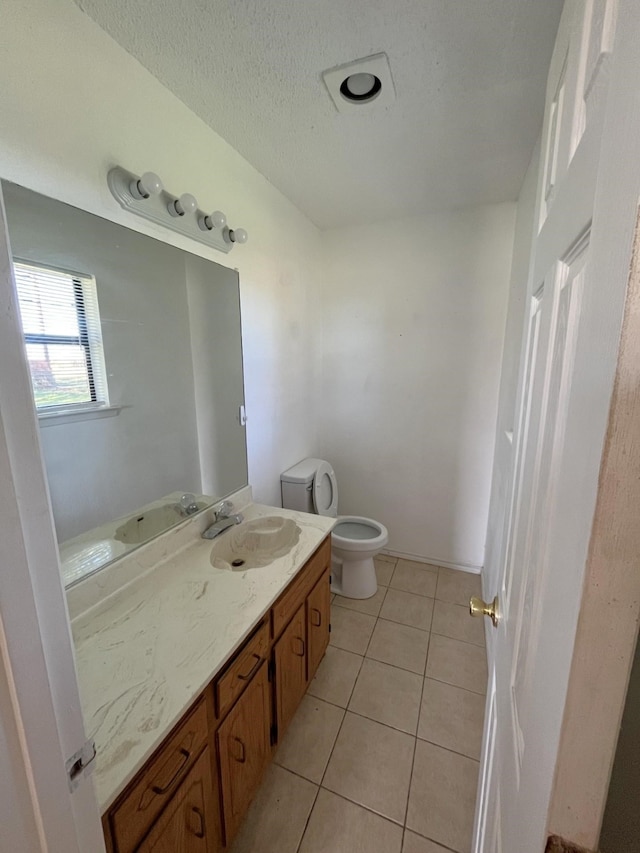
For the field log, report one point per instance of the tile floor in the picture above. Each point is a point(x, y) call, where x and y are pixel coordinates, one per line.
point(382, 755)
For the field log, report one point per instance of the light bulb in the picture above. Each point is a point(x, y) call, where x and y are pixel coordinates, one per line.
point(187, 203)
point(238, 235)
point(217, 219)
point(148, 184)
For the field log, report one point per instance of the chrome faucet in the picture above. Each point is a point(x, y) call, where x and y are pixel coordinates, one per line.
point(224, 518)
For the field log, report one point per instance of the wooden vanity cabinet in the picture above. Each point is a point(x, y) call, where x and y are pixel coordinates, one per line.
point(192, 794)
point(244, 750)
point(134, 812)
point(304, 608)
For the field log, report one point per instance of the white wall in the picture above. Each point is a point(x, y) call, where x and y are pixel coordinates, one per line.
point(72, 104)
point(413, 325)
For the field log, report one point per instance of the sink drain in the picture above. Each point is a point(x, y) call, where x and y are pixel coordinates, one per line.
point(237, 563)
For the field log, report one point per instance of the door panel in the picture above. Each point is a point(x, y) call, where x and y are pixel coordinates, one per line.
point(534, 641)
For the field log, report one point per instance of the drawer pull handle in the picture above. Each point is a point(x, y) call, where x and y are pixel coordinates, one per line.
point(243, 756)
point(300, 654)
point(314, 611)
point(201, 831)
point(253, 668)
point(185, 755)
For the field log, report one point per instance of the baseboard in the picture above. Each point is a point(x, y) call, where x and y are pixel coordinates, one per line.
point(461, 567)
point(555, 844)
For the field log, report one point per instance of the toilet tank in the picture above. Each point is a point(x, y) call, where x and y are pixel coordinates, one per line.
point(296, 484)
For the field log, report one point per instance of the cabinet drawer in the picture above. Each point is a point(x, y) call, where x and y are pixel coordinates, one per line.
point(289, 602)
point(131, 819)
point(242, 669)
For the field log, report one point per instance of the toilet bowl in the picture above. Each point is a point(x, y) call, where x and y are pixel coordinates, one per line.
point(311, 486)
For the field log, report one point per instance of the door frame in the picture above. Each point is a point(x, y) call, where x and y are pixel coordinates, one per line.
point(36, 647)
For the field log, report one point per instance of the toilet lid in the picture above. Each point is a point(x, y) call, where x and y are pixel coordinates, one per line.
point(325, 491)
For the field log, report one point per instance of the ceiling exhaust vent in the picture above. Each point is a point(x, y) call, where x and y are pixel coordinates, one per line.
point(359, 84)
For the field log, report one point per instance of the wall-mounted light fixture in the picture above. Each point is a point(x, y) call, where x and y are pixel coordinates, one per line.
point(145, 195)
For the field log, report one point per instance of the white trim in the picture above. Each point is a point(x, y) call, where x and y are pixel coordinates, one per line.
point(432, 561)
point(38, 655)
point(46, 419)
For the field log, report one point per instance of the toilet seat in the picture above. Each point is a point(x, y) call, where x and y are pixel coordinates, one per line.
point(325, 490)
point(355, 533)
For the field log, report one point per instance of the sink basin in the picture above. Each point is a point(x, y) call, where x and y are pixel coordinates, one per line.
point(147, 524)
point(254, 544)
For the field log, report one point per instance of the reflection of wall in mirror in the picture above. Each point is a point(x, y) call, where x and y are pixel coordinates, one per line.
point(214, 312)
point(101, 469)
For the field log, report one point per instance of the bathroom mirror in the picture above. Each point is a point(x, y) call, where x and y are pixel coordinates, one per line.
point(135, 353)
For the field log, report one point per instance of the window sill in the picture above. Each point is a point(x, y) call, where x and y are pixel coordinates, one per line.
point(46, 419)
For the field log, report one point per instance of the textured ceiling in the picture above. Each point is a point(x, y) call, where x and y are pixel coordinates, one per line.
point(469, 78)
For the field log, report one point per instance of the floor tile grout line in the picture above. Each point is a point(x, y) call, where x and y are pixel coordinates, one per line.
point(446, 748)
point(324, 772)
point(380, 723)
point(320, 787)
point(412, 592)
point(415, 745)
point(441, 681)
point(458, 639)
point(306, 823)
point(432, 840)
point(404, 624)
point(397, 823)
point(359, 713)
point(344, 717)
point(386, 725)
point(457, 686)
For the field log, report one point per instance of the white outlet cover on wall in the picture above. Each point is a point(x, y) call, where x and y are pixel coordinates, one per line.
point(378, 65)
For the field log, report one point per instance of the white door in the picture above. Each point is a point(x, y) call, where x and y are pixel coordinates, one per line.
point(41, 722)
point(552, 491)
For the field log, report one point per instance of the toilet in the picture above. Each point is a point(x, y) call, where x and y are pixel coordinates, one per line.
point(310, 486)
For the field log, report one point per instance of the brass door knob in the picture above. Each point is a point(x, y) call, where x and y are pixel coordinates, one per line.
point(478, 607)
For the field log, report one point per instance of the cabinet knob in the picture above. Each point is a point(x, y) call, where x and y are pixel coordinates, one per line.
point(299, 642)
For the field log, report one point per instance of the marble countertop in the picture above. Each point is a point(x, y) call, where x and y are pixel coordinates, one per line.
point(146, 650)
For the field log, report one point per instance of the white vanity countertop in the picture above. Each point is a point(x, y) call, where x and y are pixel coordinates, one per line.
point(145, 652)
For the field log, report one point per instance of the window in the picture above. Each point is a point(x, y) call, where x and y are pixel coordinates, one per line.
point(63, 339)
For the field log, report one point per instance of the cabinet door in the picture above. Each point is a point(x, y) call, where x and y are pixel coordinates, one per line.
point(190, 823)
point(318, 616)
point(291, 669)
point(244, 748)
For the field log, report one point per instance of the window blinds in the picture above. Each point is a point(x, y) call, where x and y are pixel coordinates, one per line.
point(63, 338)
